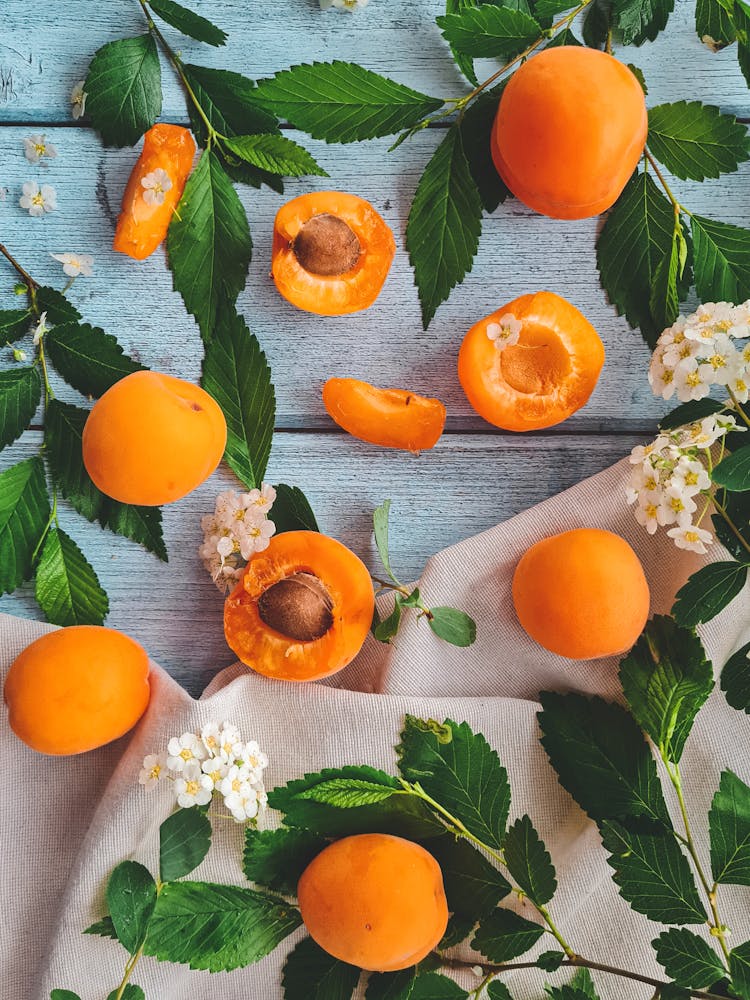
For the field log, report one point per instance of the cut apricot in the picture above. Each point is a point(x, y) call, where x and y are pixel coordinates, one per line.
point(531, 364)
point(302, 609)
point(582, 594)
point(375, 901)
point(331, 253)
point(393, 418)
point(569, 131)
point(153, 190)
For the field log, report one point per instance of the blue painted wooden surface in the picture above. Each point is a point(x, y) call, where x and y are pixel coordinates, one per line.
point(476, 476)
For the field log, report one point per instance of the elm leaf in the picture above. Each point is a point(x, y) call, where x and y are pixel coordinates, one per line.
point(24, 512)
point(735, 679)
point(184, 841)
point(708, 591)
point(688, 959)
point(276, 858)
point(489, 31)
point(131, 898)
point(529, 862)
point(722, 260)
point(20, 395)
point(67, 588)
point(123, 89)
point(503, 935)
point(88, 358)
point(729, 826)
point(312, 974)
point(187, 22)
point(695, 141)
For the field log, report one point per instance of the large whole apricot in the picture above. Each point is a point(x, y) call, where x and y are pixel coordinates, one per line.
point(569, 131)
point(76, 689)
point(582, 594)
point(151, 439)
point(302, 609)
point(374, 901)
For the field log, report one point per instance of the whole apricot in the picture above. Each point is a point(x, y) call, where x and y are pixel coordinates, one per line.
point(152, 439)
point(374, 901)
point(569, 131)
point(77, 688)
point(582, 594)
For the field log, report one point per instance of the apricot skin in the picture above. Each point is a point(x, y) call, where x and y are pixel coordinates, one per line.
point(152, 439)
point(374, 901)
point(77, 688)
point(391, 418)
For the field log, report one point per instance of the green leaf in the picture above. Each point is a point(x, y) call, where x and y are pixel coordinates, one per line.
point(713, 24)
point(462, 772)
point(24, 510)
point(708, 591)
point(453, 626)
point(489, 31)
point(458, 929)
point(131, 992)
point(636, 237)
point(217, 927)
point(348, 793)
point(498, 991)
point(465, 63)
point(276, 858)
point(601, 758)
point(727, 536)
point(20, 394)
point(741, 16)
point(413, 984)
point(583, 981)
point(722, 260)
point(666, 679)
point(380, 518)
point(545, 9)
point(187, 22)
point(733, 472)
point(63, 995)
point(550, 961)
point(103, 928)
point(445, 221)
point(504, 935)
point(729, 825)
point(237, 375)
point(208, 243)
point(735, 679)
point(640, 77)
point(131, 897)
point(597, 23)
point(664, 301)
point(739, 969)
point(184, 841)
point(473, 886)
point(229, 101)
point(312, 974)
point(695, 141)
point(88, 358)
point(688, 959)
point(276, 154)
point(123, 88)
point(689, 413)
point(342, 102)
point(653, 874)
point(139, 524)
point(641, 20)
point(567, 993)
point(476, 128)
point(529, 862)
point(14, 323)
point(384, 630)
point(564, 37)
point(67, 588)
point(59, 309)
point(291, 510)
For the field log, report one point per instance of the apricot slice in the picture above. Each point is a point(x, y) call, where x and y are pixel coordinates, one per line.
point(569, 131)
point(582, 594)
point(77, 688)
point(331, 252)
point(165, 163)
point(393, 418)
point(531, 364)
point(152, 439)
point(302, 609)
point(375, 901)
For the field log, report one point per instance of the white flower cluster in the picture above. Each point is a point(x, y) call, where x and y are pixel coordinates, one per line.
point(214, 761)
point(350, 5)
point(237, 529)
point(701, 350)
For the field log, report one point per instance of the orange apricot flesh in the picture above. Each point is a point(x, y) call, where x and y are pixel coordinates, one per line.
point(392, 418)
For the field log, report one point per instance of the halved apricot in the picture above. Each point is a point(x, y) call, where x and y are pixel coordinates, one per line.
point(302, 609)
point(331, 252)
point(392, 418)
point(531, 364)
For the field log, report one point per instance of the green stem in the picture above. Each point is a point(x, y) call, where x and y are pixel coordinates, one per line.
point(731, 525)
point(678, 207)
point(129, 966)
point(738, 407)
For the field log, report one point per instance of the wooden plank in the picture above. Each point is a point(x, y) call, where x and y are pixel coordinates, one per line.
point(520, 252)
point(396, 37)
point(468, 483)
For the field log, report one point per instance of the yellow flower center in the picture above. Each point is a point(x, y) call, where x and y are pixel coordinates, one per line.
point(236, 785)
point(186, 753)
point(693, 379)
point(651, 510)
point(691, 478)
point(717, 361)
point(191, 787)
point(155, 772)
point(37, 199)
point(667, 376)
point(677, 505)
point(692, 537)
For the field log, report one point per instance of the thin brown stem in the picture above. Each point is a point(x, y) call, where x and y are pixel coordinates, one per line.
point(22, 272)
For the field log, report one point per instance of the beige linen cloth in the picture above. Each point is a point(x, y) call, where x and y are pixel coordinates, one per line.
point(66, 822)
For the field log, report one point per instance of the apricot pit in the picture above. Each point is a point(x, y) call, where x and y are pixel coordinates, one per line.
point(298, 607)
point(326, 245)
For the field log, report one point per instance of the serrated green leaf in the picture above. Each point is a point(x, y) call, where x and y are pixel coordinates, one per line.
point(276, 858)
point(689, 413)
point(24, 510)
point(348, 793)
point(276, 154)
point(139, 524)
point(123, 89)
point(237, 375)
point(498, 991)
point(187, 22)
point(462, 772)
point(67, 588)
point(208, 244)
point(741, 18)
point(63, 995)
point(184, 841)
point(695, 141)
point(312, 974)
point(708, 591)
point(529, 862)
point(727, 537)
point(14, 323)
point(489, 31)
point(722, 260)
point(688, 959)
point(473, 886)
point(385, 629)
point(102, 928)
point(217, 927)
point(380, 518)
point(735, 679)
point(666, 678)
point(583, 981)
point(739, 969)
point(504, 935)
point(729, 825)
point(664, 301)
point(653, 874)
point(544, 9)
point(291, 510)
point(733, 472)
point(88, 358)
point(567, 992)
point(564, 37)
point(713, 24)
point(601, 758)
point(20, 394)
point(465, 63)
point(550, 961)
point(131, 897)
point(342, 102)
point(597, 23)
point(59, 309)
point(445, 221)
point(458, 929)
point(641, 20)
point(453, 626)
point(413, 984)
point(476, 129)
point(131, 992)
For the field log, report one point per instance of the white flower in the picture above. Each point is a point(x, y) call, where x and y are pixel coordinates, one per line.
point(216, 769)
point(230, 742)
point(676, 506)
point(692, 379)
point(75, 264)
point(505, 332)
point(690, 536)
point(261, 500)
point(38, 200)
point(78, 100)
point(255, 537)
point(254, 759)
point(36, 147)
point(647, 514)
point(349, 5)
point(156, 184)
point(185, 751)
point(211, 738)
point(153, 771)
point(193, 788)
point(738, 383)
point(40, 329)
point(236, 783)
point(706, 432)
point(690, 477)
point(238, 528)
point(722, 358)
point(242, 805)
